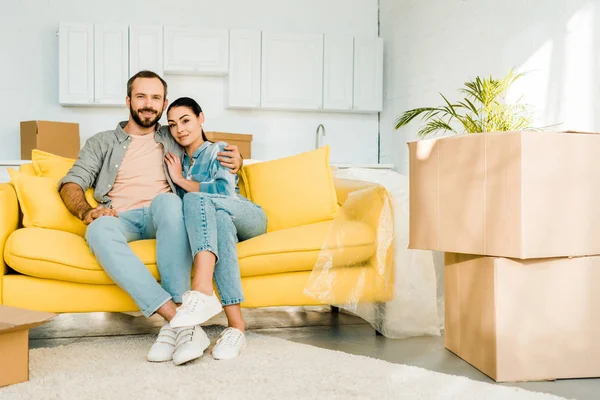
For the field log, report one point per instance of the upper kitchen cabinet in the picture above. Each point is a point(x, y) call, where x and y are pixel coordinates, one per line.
point(338, 72)
point(145, 49)
point(242, 89)
point(292, 71)
point(93, 64)
point(368, 75)
point(196, 51)
point(76, 64)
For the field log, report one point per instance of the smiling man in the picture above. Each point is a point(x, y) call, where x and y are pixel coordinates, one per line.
point(137, 200)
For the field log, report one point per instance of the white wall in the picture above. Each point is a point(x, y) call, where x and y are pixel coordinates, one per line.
point(29, 69)
point(435, 46)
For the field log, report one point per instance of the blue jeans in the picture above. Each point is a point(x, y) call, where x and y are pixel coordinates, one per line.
point(107, 237)
point(216, 223)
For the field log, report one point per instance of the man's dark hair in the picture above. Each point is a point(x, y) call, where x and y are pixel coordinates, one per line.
point(144, 74)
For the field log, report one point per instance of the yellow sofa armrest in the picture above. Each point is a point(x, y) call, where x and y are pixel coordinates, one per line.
point(9, 218)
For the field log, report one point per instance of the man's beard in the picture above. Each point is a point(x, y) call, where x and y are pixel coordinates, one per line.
point(145, 123)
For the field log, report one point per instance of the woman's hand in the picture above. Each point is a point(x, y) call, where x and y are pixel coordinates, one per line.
point(174, 167)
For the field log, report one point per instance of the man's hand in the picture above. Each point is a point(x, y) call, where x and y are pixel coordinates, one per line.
point(174, 167)
point(90, 215)
point(231, 158)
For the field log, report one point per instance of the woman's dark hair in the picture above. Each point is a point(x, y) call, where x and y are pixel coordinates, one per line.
point(192, 105)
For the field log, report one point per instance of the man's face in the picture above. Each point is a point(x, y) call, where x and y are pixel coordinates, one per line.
point(147, 101)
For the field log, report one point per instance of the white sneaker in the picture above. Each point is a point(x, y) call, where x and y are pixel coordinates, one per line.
point(163, 347)
point(196, 309)
point(191, 343)
point(230, 344)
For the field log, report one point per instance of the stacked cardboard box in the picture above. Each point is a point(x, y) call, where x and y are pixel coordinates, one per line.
point(518, 215)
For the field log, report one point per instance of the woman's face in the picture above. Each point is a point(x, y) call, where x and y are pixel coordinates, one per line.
point(184, 125)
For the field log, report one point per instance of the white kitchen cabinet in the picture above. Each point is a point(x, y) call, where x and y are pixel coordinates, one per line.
point(111, 64)
point(338, 72)
point(93, 64)
point(243, 82)
point(368, 75)
point(145, 49)
point(292, 71)
point(196, 51)
point(76, 63)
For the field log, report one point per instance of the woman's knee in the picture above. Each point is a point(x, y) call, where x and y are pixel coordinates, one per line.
point(195, 201)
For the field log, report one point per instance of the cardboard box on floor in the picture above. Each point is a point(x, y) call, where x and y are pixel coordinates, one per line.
point(241, 140)
point(524, 320)
point(14, 342)
point(60, 138)
point(510, 194)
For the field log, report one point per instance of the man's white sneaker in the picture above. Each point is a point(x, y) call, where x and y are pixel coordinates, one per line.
point(230, 344)
point(163, 347)
point(196, 309)
point(191, 343)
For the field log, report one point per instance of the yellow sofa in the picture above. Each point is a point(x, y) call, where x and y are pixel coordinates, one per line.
point(53, 270)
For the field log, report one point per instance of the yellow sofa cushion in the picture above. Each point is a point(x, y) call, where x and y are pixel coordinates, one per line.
point(293, 191)
point(65, 256)
point(41, 204)
point(297, 249)
point(56, 167)
point(52, 254)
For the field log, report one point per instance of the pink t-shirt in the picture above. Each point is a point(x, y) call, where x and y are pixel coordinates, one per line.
point(141, 176)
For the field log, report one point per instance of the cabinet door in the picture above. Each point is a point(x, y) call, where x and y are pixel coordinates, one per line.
point(75, 64)
point(196, 51)
point(338, 72)
point(368, 74)
point(145, 49)
point(292, 71)
point(111, 50)
point(243, 81)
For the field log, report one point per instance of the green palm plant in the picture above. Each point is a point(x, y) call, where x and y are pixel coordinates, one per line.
point(483, 109)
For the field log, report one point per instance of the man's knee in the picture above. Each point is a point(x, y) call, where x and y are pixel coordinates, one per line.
point(100, 228)
point(168, 203)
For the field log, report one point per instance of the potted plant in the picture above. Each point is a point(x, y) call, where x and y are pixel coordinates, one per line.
point(483, 109)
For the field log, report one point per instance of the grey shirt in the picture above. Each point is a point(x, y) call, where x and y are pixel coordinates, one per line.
point(103, 153)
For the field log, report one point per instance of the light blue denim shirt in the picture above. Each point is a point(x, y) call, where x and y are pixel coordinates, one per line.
point(204, 167)
point(103, 153)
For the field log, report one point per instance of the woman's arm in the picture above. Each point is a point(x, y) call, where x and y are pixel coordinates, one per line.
point(222, 180)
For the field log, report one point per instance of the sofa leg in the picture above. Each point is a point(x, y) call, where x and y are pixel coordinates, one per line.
point(335, 310)
point(380, 309)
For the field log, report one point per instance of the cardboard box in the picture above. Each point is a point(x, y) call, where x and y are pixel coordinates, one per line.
point(510, 194)
point(14, 342)
point(241, 140)
point(524, 320)
point(60, 138)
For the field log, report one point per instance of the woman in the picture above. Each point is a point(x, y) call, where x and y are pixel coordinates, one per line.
point(216, 216)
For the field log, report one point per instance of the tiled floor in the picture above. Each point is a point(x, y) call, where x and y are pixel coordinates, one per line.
point(313, 326)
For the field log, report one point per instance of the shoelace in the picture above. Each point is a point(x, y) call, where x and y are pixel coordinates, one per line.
point(230, 337)
point(191, 305)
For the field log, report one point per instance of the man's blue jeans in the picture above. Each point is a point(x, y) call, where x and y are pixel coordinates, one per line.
point(215, 223)
point(107, 237)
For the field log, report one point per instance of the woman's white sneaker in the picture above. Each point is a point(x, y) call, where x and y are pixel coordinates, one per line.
point(231, 343)
point(196, 309)
point(163, 347)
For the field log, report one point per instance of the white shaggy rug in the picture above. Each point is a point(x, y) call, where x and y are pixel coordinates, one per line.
point(270, 368)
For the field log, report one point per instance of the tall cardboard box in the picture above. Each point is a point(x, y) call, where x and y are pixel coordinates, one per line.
point(241, 140)
point(510, 194)
point(14, 342)
point(60, 138)
point(524, 320)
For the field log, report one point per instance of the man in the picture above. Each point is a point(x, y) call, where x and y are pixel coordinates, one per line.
point(137, 201)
